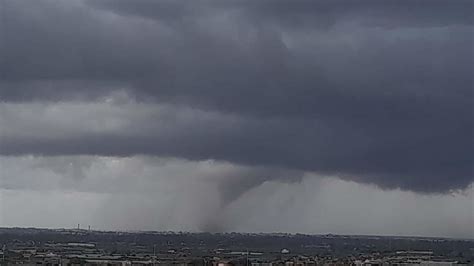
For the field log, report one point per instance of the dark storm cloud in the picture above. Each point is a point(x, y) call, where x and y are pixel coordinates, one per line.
point(375, 93)
point(392, 13)
point(404, 158)
point(306, 13)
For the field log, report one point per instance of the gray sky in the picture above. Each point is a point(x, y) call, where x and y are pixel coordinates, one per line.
point(238, 115)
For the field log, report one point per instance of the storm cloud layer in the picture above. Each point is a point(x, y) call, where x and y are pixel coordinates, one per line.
point(372, 93)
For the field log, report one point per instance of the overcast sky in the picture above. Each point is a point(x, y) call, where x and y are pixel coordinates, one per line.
point(273, 115)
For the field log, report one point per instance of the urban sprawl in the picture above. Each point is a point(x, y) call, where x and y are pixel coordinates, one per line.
point(30, 246)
